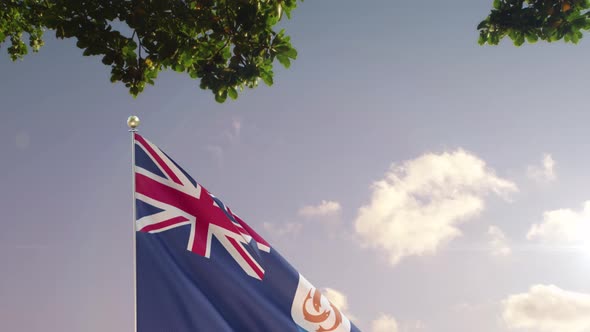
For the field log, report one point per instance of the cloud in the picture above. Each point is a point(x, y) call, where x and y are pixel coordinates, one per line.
point(324, 209)
point(336, 298)
point(548, 308)
point(498, 242)
point(545, 172)
point(340, 301)
point(228, 137)
point(416, 325)
point(237, 126)
point(563, 226)
point(290, 228)
point(233, 134)
point(417, 207)
point(384, 323)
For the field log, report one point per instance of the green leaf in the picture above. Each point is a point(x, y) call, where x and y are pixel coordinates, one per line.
point(232, 92)
point(291, 53)
point(267, 78)
point(532, 38)
point(519, 40)
point(220, 97)
point(284, 60)
point(575, 38)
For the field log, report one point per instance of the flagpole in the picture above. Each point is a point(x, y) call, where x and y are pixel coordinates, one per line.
point(133, 123)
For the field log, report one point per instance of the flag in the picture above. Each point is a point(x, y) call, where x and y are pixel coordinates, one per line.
point(200, 267)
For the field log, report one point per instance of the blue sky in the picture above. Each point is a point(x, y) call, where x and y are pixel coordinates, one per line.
point(486, 142)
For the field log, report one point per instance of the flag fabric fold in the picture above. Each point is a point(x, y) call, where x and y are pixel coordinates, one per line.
point(200, 267)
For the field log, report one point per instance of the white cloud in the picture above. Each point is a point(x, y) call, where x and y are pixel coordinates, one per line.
point(233, 135)
point(237, 126)
point(418, 206)
point(230, 137)
point(563, 226)
point(548, 308)
point(340, 301)
point(545, 172)
point(336, 298)
point(498, 242)
point(324, 209)
point(277, 230)
point(385, 323)
point(416, 325)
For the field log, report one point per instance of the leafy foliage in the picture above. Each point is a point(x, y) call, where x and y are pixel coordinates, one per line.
point(227, 44)
point(533, 20)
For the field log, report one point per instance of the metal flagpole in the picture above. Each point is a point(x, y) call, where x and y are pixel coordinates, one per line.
point(133, 123)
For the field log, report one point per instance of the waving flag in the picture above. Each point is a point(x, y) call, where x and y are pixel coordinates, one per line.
point(202, 268)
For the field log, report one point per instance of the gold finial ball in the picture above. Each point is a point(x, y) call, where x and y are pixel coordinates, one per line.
point(133, 122)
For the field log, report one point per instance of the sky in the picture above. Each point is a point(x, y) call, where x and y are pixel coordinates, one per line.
point(426, 183)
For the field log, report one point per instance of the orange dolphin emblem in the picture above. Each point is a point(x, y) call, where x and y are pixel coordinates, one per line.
point(323, 315)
